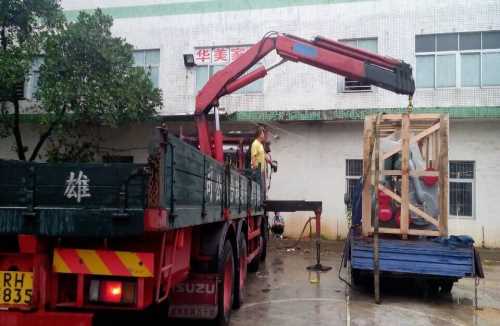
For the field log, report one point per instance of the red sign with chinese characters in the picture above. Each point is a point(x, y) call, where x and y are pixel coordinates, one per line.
point(218, 55)
point(236, 52)
point(203, 56)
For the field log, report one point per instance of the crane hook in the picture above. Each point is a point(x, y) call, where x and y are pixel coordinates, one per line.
point(409, 109)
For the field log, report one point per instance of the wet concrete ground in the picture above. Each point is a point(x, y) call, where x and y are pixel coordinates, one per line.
point(284, 293)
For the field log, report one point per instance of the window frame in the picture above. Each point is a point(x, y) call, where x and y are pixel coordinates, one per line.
point(458, 62)
point(341, 80)
point(149, 66)
point(472, 181)
point(30, 89)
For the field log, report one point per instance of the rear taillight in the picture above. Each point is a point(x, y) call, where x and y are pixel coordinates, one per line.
point(112, 291)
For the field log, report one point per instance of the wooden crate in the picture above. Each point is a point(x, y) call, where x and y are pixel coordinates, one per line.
point(430, 132)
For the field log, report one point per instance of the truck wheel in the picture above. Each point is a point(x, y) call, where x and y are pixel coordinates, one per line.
point(225, 269)
point(241, 280)
point(265, 238)
point(445, 286)
point(356, 277)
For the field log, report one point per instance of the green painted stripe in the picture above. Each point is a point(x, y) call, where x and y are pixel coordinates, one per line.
point(360, 114)
point(209, 6)
point(475, 113)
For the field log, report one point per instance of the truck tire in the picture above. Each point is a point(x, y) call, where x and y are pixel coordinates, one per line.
point(225, 269)
point(356, 280)
point(241, 280)
point(446, 286)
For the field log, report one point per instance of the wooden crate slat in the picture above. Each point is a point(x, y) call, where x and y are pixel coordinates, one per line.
point(430, 131)
point(411, 207)
point(413, 140)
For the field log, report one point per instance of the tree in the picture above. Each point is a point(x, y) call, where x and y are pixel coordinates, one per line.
point(24, 28)
point(88, 81)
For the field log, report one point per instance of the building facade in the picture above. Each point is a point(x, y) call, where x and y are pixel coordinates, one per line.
point(316, 116)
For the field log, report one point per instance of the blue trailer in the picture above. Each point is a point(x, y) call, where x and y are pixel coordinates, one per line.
point(441, 261)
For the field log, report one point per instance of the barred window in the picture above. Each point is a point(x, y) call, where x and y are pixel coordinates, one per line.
point(461, 192)
point(348, 85)
point(353, 171)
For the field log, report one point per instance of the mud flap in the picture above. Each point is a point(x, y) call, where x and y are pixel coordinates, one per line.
point(16, 318)
point(195, 298)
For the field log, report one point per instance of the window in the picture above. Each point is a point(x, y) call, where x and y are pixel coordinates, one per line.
point(353, 171)
point(150, 61)
point(31, 85)
point(461, 189)
point(458, 59)
point(210, 60)
point(349, 85)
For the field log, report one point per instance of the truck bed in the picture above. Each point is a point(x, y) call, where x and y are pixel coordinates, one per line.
point(112, 199)
point(422, 257)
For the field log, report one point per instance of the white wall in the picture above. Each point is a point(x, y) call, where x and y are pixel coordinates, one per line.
point(312, 158)
point(479, 142)
point(312, 155)
point(297, 86)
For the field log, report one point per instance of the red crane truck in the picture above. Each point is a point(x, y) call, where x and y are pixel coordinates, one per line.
point(178, 233)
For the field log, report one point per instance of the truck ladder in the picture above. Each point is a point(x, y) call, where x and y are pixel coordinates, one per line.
point(166, 268)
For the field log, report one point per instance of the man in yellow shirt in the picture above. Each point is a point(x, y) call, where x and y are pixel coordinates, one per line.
point(258, 157)
point(258, 154)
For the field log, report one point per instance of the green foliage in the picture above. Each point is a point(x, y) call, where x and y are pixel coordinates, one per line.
point(88, 79)
point(25, 25)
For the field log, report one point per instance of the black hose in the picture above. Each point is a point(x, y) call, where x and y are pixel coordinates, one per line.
point(301, 235)
point(347, 244)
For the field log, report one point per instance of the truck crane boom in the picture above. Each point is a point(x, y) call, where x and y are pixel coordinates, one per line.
point(388, 73)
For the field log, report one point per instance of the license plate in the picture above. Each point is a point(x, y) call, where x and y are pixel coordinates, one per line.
point(16, 288)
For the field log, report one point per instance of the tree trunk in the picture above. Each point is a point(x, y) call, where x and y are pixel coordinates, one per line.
point(16, 129)
point(46, 134)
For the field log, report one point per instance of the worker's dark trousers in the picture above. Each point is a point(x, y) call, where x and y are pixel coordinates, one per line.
point(263, 187)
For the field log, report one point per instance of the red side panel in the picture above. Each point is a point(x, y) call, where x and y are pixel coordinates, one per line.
point(8, 318)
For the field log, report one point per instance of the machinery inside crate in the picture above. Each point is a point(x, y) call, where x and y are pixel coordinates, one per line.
point(406, 161)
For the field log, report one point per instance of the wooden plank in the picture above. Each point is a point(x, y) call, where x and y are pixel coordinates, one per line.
point(368, 138)
point(405, 178)
point(376, 258)
point(443, 180)
point(435, 152)
point(411, 207)
point(412, 173)
point(413, 140)
point(415, 116)
point(388, 230)
point(431, 233)
point(426, 151)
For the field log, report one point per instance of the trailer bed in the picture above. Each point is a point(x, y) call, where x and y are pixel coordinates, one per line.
point(422, 257)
